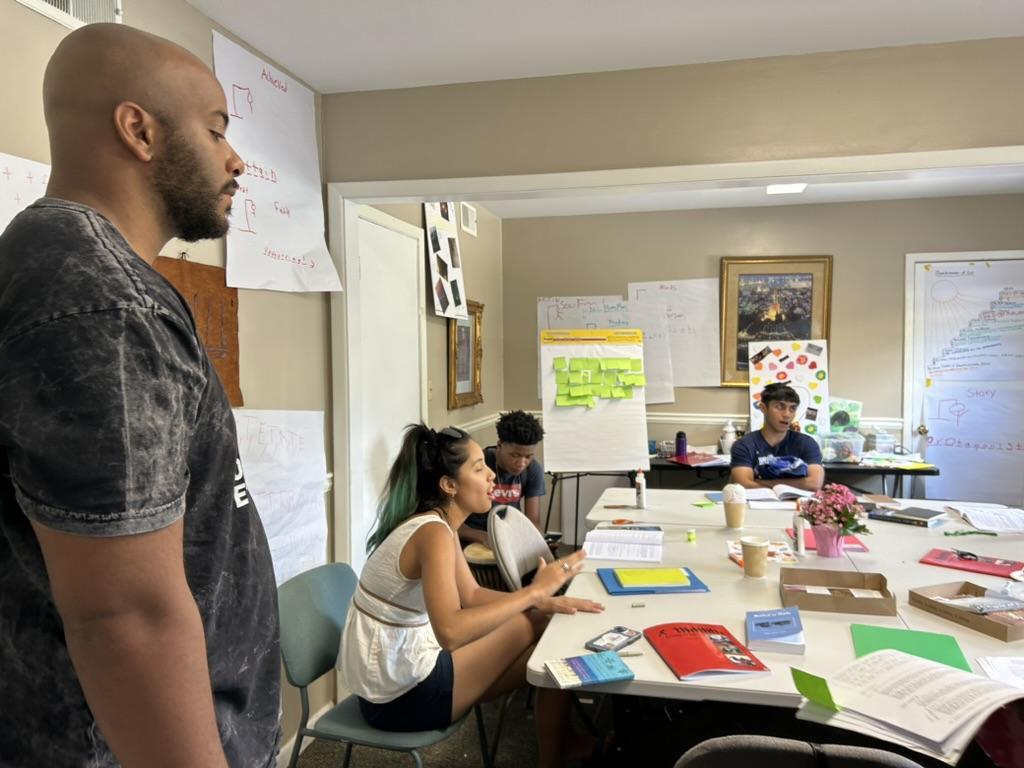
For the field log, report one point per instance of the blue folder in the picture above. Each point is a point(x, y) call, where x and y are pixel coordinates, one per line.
point(611, 583)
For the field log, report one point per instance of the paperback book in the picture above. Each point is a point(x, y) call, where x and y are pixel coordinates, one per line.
point(919, 516)
point(693, 651)
point(776, 631)
point(588, 669)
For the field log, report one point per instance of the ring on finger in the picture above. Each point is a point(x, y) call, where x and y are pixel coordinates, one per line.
point(565, 566)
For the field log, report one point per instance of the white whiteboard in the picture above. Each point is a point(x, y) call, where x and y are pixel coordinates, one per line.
point(276, 240)
point(967, 341)
point(22, 182)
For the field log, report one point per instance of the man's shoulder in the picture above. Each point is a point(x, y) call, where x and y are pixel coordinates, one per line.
point(803, 443)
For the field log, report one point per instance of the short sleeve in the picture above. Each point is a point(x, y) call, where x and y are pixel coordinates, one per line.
point(534, 485)
point(742, 454)
point(97, 410)
point(810, 451)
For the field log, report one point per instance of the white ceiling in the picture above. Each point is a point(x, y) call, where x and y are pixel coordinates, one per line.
point(941, 182)
point(357, 45)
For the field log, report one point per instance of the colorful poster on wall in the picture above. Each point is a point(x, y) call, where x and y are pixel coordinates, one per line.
point(593, 387)
point(801, 364)
point(447, 281)
point(844, 415)
point(276, 241)
point(22, 182)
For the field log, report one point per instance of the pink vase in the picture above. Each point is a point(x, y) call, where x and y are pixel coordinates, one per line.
point(828, 540)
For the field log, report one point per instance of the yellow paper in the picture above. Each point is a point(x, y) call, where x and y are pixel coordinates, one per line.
point(652, 577)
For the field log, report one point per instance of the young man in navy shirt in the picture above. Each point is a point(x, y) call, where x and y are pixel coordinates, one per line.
point(519, 480)
point(778, 452)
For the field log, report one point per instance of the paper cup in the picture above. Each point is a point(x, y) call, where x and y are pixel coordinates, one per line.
point(734, 513)
point(755, 556)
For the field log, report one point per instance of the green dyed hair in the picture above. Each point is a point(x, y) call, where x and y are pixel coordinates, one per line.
point(414, 480)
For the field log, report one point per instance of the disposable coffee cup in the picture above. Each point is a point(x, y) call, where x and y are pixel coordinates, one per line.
point(734, 513)
point(755, 556)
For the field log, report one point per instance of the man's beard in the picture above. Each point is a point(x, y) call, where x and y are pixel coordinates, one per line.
point(188, 200)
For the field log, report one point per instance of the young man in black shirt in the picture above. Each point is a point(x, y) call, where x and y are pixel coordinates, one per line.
point(519, 477)
point(138, 614)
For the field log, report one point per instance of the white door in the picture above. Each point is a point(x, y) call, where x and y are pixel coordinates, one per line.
point(386, 362)
point(964, 398)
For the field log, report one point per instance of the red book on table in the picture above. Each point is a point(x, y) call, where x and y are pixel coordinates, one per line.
point(994, 566)
point(694, 650)
point(850, 542)
point(694, 459)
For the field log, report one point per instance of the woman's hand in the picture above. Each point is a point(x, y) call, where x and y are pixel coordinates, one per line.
point(550, 578)
point(563, 604)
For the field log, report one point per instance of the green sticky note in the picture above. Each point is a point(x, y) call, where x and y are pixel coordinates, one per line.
point(577, 364)
point(627, 379)
point(814, 688)
point(610, 378)
point(563, 389)
point(562, 377)
point(622, 363)
point(590, 402)
point(638, 380)
point(559, 363)
point(579, 390)
point(636, 364)
point(627, 393)
point(928, 645)
point(618, 392)
point(592, 364)
point(604, 363)
point(704, 504)
point(576, 377)
point(562, 401)
point(605, 392)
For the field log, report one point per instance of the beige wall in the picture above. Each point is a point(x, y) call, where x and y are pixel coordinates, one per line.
point(283, 342)
point(482, 266)
point(858, 102)
point(598, 255)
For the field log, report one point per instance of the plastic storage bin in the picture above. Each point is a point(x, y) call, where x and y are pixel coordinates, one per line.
point(842, 447)
point(881, 442)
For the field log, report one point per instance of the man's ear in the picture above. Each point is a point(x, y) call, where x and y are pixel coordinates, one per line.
point(137, 129)
point(762, 407)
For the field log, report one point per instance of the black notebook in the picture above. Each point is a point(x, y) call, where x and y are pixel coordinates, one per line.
point(909, 516)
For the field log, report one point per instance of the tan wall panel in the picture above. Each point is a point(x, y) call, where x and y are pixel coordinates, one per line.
point(883, 100)
point(598, 255)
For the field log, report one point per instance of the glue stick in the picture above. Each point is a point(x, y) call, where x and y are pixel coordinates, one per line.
point(641, 490)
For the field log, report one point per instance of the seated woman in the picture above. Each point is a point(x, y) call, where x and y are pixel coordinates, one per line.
point(423, 642)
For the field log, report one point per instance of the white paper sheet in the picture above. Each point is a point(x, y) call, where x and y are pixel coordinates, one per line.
point(1007, 520)
point(562, 313)
point(286, 471)
point(652, 319)
point(692, 312)
point(444, 255)
point(1005, 669)
point(276, 240)
point(22, 182)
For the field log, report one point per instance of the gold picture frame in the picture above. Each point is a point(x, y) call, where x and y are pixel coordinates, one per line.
point(465, 357)
point(771, 298)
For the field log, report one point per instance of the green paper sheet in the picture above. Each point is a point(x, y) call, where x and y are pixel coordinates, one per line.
point(559, 363)
point(704, 504)
point(814, 688)
point(576, 377)
point(618, 392)
point(569, 401)
point(579, 390)
point(605, 392)
point(604, 363)
point(928, 645)
point(562, 377)
point(563, 389)
point(636, 364)
point(610, 378)
point(627, 393)
point(577, 364)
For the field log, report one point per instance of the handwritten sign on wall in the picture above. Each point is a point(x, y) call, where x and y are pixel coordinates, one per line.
point(276, 240)
point(22, 182)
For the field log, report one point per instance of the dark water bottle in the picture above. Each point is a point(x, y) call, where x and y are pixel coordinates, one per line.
point(681, 444)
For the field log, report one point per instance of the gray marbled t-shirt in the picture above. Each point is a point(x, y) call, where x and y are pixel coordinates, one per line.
point(113, 422)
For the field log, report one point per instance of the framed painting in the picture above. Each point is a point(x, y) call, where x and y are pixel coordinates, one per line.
point(465, 357)
point(771, 298)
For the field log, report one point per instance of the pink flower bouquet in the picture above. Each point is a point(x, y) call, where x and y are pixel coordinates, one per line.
point(834, 505)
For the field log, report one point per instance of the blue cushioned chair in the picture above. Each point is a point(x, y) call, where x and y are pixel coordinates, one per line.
point(313, 606)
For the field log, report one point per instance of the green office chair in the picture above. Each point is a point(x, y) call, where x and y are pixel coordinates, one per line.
point(313, 606)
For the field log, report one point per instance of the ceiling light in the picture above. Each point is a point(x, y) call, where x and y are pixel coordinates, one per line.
point(786, 189)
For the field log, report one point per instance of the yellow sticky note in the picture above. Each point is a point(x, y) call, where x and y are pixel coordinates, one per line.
point(562, 377)
point(636, 364)
point(559, 363)
point(652, 577)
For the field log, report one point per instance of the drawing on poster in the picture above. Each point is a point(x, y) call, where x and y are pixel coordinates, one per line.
point(22, 182)
point(445, 260)
point(559, 313)
point(803, 365)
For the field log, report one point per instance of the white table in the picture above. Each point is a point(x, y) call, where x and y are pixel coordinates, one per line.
point(894, 551)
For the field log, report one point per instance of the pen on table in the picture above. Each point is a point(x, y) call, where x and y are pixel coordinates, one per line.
point(627, 654)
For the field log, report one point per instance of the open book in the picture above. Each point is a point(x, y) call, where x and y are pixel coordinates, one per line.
point(925, 706)
point(640, 543)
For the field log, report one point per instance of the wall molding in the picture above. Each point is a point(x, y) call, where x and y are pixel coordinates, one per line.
point(479, 423)
point(740, 420)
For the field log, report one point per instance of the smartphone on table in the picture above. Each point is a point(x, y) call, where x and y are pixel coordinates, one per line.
point(615, 639)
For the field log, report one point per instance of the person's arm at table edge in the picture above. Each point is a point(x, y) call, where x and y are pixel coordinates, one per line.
point(136, 640)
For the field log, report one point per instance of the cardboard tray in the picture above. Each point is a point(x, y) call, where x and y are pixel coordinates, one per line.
point(837, 603)
point(922, 598)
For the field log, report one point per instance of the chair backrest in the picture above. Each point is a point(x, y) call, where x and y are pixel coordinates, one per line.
point(772, 752)
point(313, 607)
point(517, 544)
